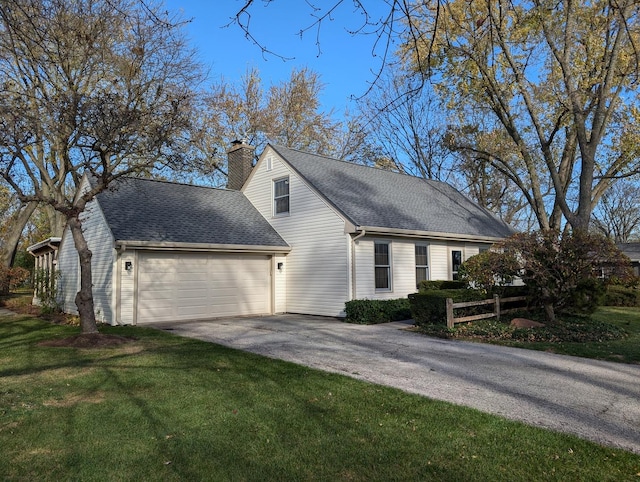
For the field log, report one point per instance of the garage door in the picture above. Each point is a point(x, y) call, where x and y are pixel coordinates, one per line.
point(187, 286)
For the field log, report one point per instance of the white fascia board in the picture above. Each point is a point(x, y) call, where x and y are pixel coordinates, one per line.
point(427, 234)
point(227, 248)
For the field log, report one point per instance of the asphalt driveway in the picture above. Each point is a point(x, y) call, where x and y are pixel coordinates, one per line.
point(595, 400)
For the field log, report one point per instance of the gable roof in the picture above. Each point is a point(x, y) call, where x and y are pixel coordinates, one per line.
point(374, 198)
point(149, 211)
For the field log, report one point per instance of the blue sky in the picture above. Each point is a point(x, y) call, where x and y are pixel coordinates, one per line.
point(346, 64)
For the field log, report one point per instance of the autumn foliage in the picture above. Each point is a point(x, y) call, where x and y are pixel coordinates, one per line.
point(563, 271)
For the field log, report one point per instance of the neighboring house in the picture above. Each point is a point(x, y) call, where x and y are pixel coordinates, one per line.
point(297, 233)
point(632, 250)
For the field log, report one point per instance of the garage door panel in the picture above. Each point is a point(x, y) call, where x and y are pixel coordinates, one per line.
point(180, 286)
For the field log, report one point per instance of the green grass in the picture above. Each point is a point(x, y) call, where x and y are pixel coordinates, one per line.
point(169, 408)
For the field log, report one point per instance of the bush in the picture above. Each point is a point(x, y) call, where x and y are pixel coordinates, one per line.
point(429, 285)
point(489, 269)
point(430, 307)
point(371, 312)
point(585, 297)
point(617, 295)
point(13, 278)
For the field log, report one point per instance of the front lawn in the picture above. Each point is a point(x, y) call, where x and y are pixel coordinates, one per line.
point(169, 408)
point(611, 333)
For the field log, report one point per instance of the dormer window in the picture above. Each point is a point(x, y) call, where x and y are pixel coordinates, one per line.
point(281, 196)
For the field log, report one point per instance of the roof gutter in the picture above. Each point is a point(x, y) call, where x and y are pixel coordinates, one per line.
point(427, 234)
point(204, 247)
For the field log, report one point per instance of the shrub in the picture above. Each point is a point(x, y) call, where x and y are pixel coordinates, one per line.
point(370, 312)
point(430, 307)
point(617, 295)
point(558, 267)
point(585, 297)
point(490, 269)
point(13, 278)
point(429, 285)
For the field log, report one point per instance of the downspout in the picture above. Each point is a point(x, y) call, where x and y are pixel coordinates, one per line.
point(353, 262)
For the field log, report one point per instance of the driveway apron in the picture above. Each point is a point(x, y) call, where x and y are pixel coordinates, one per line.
point(596, 400)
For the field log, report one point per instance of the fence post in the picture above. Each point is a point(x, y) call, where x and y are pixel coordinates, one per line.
point(449, 313)
point(497, 308)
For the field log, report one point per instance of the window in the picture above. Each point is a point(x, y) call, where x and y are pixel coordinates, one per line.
point(456, 261)
point(422, 263)
point(281, 196)
point(382, 266)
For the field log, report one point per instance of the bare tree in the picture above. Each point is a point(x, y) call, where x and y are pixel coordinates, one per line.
point(97, 88)
point(287, 113)
point(618, 214)
point(408, 127)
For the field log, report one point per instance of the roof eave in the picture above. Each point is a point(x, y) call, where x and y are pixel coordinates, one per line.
point(52, 242)
point(427, 234)
point(227, 248)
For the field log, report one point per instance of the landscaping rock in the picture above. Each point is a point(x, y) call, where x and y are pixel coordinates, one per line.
point(525, 323)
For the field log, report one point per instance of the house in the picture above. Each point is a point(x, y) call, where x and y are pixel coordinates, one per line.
point(297, 233)
point(632, 251)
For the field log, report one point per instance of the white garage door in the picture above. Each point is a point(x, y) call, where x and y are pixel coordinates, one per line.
point(188, 286)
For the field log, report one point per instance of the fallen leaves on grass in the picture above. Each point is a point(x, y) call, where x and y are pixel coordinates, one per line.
point(88, 340)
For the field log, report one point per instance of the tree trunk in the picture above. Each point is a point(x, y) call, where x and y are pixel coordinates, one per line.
point(84, 297)
point(10, 243)
point(56, 220)
point(550, 314)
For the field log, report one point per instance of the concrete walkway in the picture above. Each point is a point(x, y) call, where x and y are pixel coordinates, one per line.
point(6, 312)
point(595, 400)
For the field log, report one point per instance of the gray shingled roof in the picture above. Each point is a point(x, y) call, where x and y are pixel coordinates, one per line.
point(376, 198)
point(632, 250)
point(156, 211)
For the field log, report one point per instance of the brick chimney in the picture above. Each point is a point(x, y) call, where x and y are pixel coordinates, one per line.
point(239, 163)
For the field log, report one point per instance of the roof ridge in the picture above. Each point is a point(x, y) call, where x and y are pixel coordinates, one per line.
point(351, 163)
point(174, 183)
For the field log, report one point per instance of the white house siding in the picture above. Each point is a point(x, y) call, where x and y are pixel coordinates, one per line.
point(403, 264)
point(439, 260)
point(100, 243)
point(280, 284)
point(127, 287)
point(403, 268)
point(317, 279)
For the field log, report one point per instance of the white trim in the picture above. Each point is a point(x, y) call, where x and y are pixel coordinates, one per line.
point(409, 233)
point(227, 248)
point(388, 242)
point(428, 265)
point(274, 181)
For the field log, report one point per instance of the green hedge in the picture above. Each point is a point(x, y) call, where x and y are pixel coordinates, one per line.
point(430, 307)
point(617, 295)
point(371, 312)
point(430, 285)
